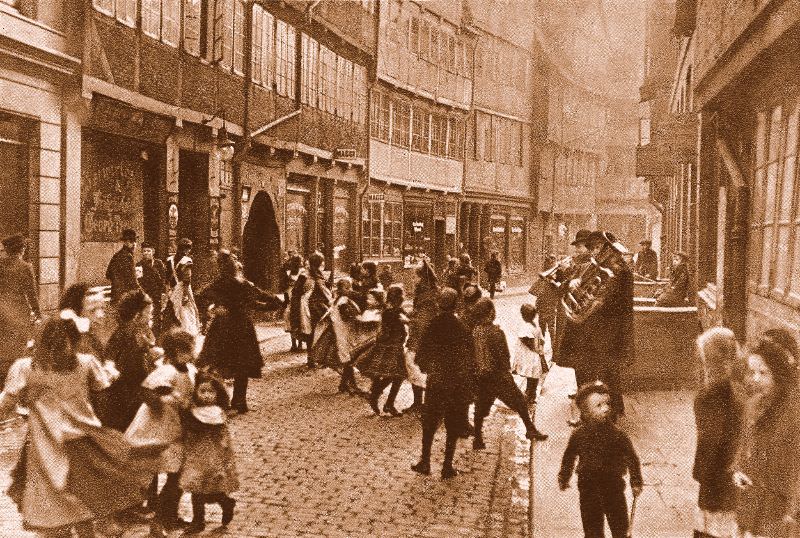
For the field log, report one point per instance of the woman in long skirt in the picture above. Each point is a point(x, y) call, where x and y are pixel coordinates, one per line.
point(73, 470)
point(425, 309)
point(231, 345)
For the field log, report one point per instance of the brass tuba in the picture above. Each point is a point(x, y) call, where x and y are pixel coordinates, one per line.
point(586, 293)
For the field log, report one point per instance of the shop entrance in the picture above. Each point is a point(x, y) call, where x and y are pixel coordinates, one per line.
point(14, 175)
point(261, 244)
point(194, 220)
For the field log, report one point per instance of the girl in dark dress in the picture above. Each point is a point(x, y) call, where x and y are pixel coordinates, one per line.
point(231, 345)
point(320, 298)
point(133, 351)
point(385, 363)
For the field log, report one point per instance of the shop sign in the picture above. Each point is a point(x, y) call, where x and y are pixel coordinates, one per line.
point(119, 118)
point(377, 197)
point(498, 229)
point(516, 230)
point(418, 226)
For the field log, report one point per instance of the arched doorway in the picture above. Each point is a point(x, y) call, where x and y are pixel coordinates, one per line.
point(261, 244)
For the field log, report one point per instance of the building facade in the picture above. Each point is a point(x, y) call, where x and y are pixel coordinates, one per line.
point(40, 114)
point(497, 212)
point(745, 89)
point(165, 81)
point(419, 107)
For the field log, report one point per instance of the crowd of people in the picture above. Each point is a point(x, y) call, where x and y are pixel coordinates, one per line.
point(115, 413)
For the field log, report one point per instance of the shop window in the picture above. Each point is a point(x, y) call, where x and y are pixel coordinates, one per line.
point(382, 229)
point(296, 220)
point(420, 134)
point(191, 26)
point(774, 263)
point(418, 234)
point(516, 245)
point(285, 59)
point(401, 117)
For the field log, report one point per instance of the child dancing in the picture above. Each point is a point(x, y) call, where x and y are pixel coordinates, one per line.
point(209, 469)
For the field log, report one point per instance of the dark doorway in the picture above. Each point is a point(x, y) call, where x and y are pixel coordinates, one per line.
point(261, 244)
point(15, 134)
point(194, 219)
point(439, 246)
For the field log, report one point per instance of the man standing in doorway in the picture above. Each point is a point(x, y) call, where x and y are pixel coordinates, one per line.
point(153, 280)
point(121, 271)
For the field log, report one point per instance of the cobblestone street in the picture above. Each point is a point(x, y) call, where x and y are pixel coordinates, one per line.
point(315, 463)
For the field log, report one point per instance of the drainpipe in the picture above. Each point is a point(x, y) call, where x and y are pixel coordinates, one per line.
point(241, 154)
point(368, 128)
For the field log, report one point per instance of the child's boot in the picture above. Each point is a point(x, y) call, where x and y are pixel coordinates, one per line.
point(530, 390)
point(228, 504)
point(198, 523)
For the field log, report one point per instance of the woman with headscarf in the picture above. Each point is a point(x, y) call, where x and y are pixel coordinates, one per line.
point(768, 470)
point(231, 345)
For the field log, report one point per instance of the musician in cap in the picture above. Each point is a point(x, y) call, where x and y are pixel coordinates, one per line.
point(598, 338)
point(19, 300)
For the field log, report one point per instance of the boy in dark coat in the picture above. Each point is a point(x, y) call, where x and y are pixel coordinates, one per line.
point(604, 453)
point(493, 270)
point(121, 270)
point(446, 354)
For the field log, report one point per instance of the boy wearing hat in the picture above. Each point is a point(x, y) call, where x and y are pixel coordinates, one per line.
point(153, 280)
point(646, 264)
point(605, 454)
point(121, 271)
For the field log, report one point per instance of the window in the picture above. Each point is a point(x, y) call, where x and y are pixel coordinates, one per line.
point(360, 95)
point(309, 85)
point(191, 26)
point(434, 52)
point(151, 18)
point(380, 117)
point(425, 40)
point(327, 76)
point(126, 12)
point(438, 137)
point(267, 49)
point(382, 229)
point(451, 54)
point(487, 137)
point(257, 44)
point(414, 40)
point(171, 22)
point(418, 235)
point(519, 143)
point(226, 28)
point(516, 245)
point(104, 6)
point(774, 263)
point(238, 36)
point(344, 93)
point(421, 130)
point(644, 131)
point(285, 60)
point(455, 142)
point(401, 116)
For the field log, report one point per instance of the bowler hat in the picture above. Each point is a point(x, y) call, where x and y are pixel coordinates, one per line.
point(14, 243)
point(646, 242)
point(128, 235)
point(581, 237)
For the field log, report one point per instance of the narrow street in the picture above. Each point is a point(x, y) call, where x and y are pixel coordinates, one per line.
point(315, 463)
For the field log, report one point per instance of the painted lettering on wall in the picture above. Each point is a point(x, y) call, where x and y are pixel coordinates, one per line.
point(111, 196)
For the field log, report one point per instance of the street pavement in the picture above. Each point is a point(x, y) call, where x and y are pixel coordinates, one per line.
point(315, 463)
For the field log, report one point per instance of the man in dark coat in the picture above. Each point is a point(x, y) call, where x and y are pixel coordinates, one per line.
point(121, 270)
point(646, 261)
point(603, 343)
point(493, 270)
point(153, 281)
point(446, 353)
point(18, 299)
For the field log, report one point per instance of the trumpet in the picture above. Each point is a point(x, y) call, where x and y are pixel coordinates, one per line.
point(552, 276)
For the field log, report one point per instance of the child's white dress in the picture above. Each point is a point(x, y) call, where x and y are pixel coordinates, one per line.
point(154, 427)
point(527, 351)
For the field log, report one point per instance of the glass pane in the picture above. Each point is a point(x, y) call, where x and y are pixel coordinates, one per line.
point(795, 282)
point(782, 259)
point(791, 131)
point(761, 141)
point(787, 189)
point(758, 197)
point(769, 200)
point(766, 257)
point(775, 133)
point(754, 254)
